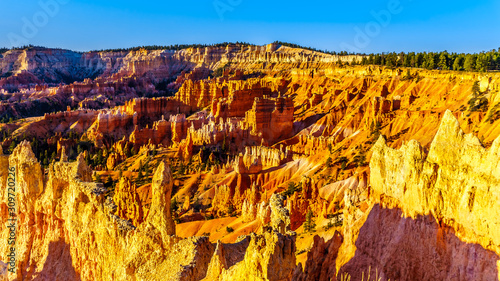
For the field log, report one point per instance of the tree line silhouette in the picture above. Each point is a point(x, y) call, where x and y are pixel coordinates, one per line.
point(484, 61)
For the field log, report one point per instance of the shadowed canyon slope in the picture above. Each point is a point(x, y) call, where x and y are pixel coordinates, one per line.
point(247, 163)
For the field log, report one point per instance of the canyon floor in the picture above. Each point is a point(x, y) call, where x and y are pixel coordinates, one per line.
point(246, 162)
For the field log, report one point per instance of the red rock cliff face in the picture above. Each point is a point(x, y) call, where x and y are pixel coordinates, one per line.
point(271, 118)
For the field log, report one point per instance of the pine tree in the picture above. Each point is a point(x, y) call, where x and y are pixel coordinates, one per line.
point(224, 144)
point(483, 62)
point(34, 146)
point(360, 159)
point(97, 178)
point(128, 153)
point(328, 162)
point(494, 61)
point(99, 159)
point(230, 209)
point(375, 128)
point(12, 146)
point(476, 89)
point(419, 60)
point(391, 60)
point(458, 63)
point(429, 62)
point(309, 224)
point(174, 205)
point(443, 61)
point(343, 160)
point(470, 62)
point(146, 171)
point(87, 158)
point(407, 61)
point(140, 174)
point(371, 59)
point(109, 181)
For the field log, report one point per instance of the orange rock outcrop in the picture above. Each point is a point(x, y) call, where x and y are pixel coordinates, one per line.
point(128, 203)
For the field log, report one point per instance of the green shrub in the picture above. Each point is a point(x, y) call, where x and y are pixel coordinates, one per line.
point(292, 188)
point(335, 220)
point(478, 102)
point(360, 159)
point(494, 114)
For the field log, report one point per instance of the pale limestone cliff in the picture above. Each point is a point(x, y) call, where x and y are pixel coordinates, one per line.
point(258, 158)
point(270, 256)
point(280, 216)
point(263, 213)
point(80, 238)
point(222, 199)
point(456, 182)
point(428, 216)
point(266, 256)
point(250, 207)
point(401, 248)
point(159, 214)
point(248, 211)
point(128, 203)
point(69, 230)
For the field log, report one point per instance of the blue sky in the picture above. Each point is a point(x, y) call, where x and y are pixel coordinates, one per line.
point(401, 25)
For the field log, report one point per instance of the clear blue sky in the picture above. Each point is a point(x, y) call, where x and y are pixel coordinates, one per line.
point(414, 25)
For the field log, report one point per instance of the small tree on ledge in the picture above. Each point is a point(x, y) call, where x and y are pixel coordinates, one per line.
point(309, 224)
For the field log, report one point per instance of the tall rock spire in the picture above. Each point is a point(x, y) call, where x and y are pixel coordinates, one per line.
point(159, 214)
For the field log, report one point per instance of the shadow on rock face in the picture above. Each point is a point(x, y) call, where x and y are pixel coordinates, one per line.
point(402, 249)
point(307, 122)
point(58, 265)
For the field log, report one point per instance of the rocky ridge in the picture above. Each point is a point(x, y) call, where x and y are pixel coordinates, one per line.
point(75, 221)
